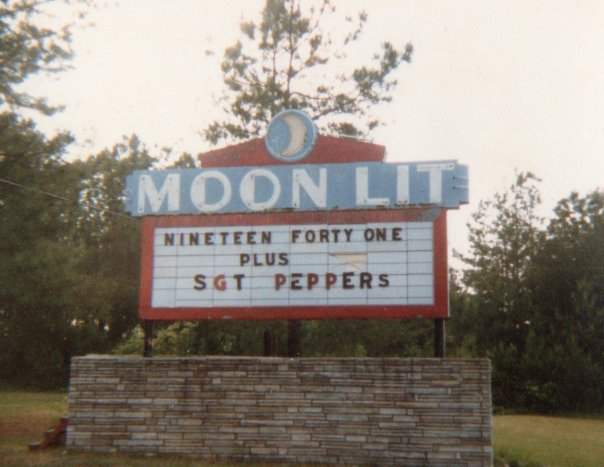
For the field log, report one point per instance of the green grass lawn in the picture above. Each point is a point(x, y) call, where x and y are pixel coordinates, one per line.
point(24, 417)
point(522, 440)
point(534, 440)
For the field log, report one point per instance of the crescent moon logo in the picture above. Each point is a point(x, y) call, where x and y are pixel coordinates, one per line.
point(291, 136)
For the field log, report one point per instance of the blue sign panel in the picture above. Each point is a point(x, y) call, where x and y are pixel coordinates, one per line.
point(297, 188)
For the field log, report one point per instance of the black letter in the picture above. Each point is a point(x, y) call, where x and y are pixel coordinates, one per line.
point(266, 237)
point(200, 281)
point(365, 280)
point(238, 278)
point(193, 238)
point(347, 280)
point(295, 281)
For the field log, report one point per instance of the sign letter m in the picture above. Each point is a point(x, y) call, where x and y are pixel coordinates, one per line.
point(148, 191)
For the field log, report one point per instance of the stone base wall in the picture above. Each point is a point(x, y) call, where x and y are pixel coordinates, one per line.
point(315, 410)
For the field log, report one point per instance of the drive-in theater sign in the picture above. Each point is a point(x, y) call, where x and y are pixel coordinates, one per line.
point(296, 226)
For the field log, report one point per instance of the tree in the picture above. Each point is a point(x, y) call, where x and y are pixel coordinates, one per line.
point(37, 270)
point(40, 295)
point(109, 238)
point(534, 301)
point(567, 278)
point(460, 339)
point(504, 238)
point(27, 48)
point(288, 60)
point(71, 259)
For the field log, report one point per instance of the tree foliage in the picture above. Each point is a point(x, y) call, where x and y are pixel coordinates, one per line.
point(535, 300)
point(27, 48)
point(288, 59)
point(70, 259)
point(568, 290)
point(504, 236)
point(110, 238)
point(37, 274)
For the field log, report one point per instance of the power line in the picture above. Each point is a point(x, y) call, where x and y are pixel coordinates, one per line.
point(63, 198)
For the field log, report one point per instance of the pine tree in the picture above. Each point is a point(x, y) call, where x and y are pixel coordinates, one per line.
point(288, 60)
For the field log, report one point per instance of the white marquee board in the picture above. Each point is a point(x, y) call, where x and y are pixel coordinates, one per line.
point(387, 263)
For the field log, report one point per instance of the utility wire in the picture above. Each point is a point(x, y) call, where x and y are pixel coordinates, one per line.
point(52, 195)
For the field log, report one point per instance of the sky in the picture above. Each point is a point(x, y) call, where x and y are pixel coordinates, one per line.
point(502, 86)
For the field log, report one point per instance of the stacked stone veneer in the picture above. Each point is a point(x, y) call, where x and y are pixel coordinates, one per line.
point(357, 411)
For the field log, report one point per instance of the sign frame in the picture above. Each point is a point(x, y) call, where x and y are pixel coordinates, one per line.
point(439, 308)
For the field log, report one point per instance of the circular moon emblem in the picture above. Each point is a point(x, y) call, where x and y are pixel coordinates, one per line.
point(291, 136)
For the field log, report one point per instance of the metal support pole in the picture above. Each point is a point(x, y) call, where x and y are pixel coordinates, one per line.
point(439, 338)
point(148, 348)
point(294, 330)
point(270, 343)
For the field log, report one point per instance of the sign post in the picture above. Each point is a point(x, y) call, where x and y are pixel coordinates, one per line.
point(439, 338)
point(148, 333)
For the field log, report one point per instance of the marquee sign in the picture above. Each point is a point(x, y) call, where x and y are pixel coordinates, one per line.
point(298, 187)
point(387, 264)
point(336, 237)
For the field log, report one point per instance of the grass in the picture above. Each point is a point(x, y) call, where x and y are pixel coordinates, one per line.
point(24, 416)
point(521, 440)
point(532, 440)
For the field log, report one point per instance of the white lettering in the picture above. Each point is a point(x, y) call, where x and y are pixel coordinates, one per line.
point(148, 191)
point(247, 189)
point(362, 184)
point(198, 191)
point(317, 193)
point(331, 187)
point(402, 184)
point(436, 180)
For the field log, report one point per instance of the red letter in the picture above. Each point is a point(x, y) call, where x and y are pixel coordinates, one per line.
point(219, 282)
point(330, 279)
point(279, 280)
point(312, 279)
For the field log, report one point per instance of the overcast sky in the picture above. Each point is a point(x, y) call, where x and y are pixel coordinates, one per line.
point(497, 85)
